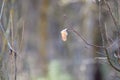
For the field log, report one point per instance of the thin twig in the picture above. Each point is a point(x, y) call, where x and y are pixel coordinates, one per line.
point(109, 39)
point(102, 58)
point(12, 43)
point(84, 39)
point(114, 20)
point(21, 41)
point(116, 24)
point(9, 45)
point(100, 25)
point(1, 12)
point(107, 53)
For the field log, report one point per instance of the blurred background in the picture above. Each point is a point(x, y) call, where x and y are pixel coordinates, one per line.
point(32, 27)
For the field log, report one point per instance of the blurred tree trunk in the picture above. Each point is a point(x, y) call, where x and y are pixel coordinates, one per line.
point(43, 27)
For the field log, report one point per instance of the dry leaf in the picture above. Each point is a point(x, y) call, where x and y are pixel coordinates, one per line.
point(64, 34)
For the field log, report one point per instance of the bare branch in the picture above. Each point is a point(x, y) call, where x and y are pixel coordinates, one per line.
point(84, 39)
point(103, 47)
point(114, 20)
point(9, 45)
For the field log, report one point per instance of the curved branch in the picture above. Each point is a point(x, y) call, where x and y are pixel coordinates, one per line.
point(108, 58)
point(103, 47)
